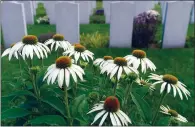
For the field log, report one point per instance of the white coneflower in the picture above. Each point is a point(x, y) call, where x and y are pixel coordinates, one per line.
point(62, 70)
point(167, 82)
point(28, 47)
point(58, 41)
point(142, 82)
point(103, 61)
point(173, 114)
point(7, 51)
point(110, 108)
point(117, 67)
point(138, 58)
point(79, 52)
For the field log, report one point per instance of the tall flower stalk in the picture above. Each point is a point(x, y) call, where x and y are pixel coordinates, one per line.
point(42, 62)
point(19, 62)
point(131, 77)
point(66, 104)
point(116, 68)
point(167, 82)
point(115, 86)
point(33, 71)
point(158, 107)
point(61, 72)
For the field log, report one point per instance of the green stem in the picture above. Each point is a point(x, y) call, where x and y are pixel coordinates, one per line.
point(57, 53)
point(66, 104)
point(34, 85)
point(106, 77)
point(20, 67)
point(30, 63)
point(158, 107)
point(42, 62)
point(169, 121)
point(75, 89)
point(115, 86)
point(128, 90)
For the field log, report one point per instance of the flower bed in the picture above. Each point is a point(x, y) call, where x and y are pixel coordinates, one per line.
point(78, 86)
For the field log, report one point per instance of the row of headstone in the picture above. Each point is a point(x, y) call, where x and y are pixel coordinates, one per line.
point(164, 8)
point(121, 22)
point(140, 6)
point(176, 22)
point(85, 10)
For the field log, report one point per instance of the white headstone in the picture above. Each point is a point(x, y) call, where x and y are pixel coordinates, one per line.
point(106, 6)
point(141, 6)
point(28, 8)
point(121, 24)
point(13, 22)
point(176, 24)
point(91, 7)
point(192, 16)
point(84, 11)
point(34, 7)
point(67, 20)
point(94, 4)
point(50, 10)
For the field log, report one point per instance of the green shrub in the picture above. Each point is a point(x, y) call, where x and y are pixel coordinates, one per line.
point(95, 40)
point(190, 42)
point(97, 19)
point(40, 5)
point(40, 11)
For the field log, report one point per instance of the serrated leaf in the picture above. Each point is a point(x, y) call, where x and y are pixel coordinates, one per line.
point(55, 102)
point(75, 104)
point(14, 113)
point(142, 106)
point(49, 120)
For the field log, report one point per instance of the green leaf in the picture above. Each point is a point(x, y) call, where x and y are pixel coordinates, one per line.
point(83, 109)
point(49, 120)
point(20, 93)
point(55, 102)
point(163, 121)
point(40, 81)
point(142, 90)
point(142, 106)
point(75, 104)
point(14, 113)
point(81, 121)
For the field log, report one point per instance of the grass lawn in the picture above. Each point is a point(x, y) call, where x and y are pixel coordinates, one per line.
point(179, 62)
point(92, 28)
